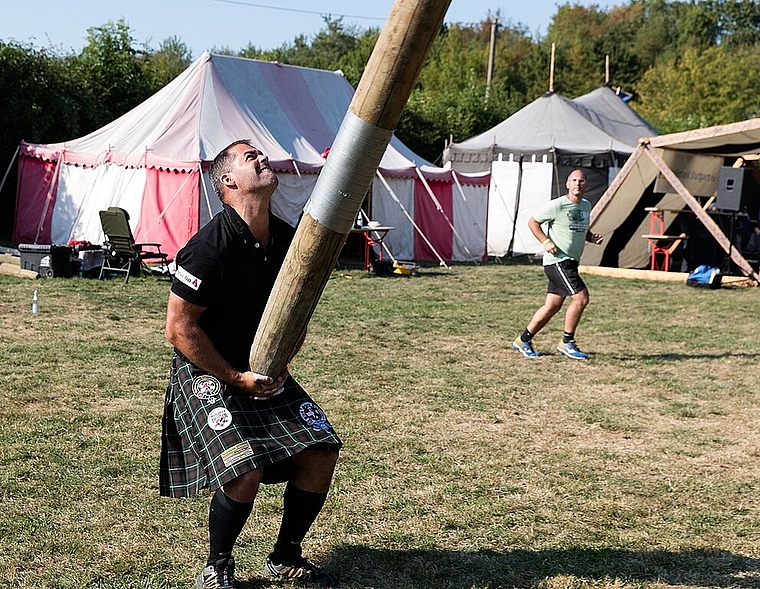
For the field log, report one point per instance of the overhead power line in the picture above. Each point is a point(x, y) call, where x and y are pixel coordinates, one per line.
point(284, 9)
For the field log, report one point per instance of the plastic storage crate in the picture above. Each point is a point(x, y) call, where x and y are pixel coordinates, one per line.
point(47, 260)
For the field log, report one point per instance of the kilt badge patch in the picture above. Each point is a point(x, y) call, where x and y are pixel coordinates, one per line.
point(219, 419)
point(314, 417)
point(207, 388)
point(237, 453)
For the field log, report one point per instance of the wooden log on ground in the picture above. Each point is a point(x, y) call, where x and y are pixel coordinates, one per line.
point(354, 157)
point(657, 275)
point(11, 269)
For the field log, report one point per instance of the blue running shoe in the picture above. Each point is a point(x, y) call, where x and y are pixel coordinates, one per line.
point(571, 350)
point(525, 348)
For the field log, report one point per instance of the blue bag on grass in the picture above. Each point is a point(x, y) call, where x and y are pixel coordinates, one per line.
point(705, 277)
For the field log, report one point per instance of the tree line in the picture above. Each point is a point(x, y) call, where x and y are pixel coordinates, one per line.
point(686, 64)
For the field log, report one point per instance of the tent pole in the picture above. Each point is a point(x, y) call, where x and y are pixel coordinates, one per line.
point(551, 70)
point(8, 171)
point(702, 215)
point(205, 193)
point(408, 216)
point(606, 70)
point(491, 55)
point(516, 209)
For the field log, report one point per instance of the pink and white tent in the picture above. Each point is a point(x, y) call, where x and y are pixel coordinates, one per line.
point(153, 162)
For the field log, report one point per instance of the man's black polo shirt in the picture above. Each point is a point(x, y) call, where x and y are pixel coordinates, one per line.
point(226, 269)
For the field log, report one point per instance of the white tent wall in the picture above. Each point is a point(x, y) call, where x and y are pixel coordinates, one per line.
point(393, 204)
point(535, 192)
point(470, 213)
point(500, 226)
point(390, 198)
point(83, 192)
point(507, 234)
point(291, 195)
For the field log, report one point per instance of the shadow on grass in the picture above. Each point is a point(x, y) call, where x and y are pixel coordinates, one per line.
point(681, 357)
point(372, 567)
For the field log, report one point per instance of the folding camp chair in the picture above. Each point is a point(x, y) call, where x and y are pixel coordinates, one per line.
point(120, 252)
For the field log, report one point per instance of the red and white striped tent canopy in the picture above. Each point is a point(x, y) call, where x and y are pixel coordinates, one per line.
point(153, 161)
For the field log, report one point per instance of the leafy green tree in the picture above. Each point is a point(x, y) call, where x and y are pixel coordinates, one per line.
point(113, 72)
point(334, 47)
point(698, 25)
point(712, 87)
point(738, 21)
point(450, 99)
point(170, 60)
point(657, 35)
point(579, 65)
point(39, 102)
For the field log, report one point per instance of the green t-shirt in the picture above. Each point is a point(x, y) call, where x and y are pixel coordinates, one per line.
point(567, 226)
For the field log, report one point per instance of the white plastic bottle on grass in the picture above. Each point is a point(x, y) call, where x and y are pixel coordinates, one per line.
point(35, 303)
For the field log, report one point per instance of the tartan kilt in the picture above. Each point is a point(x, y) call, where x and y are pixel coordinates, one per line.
point(212, 433)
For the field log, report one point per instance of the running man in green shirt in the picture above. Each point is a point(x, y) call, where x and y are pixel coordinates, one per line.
point(566, 220)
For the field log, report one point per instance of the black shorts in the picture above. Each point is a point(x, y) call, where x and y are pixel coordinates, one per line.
point(564, 279)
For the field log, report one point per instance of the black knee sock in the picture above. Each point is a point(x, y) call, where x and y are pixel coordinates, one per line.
point(226, 519)
point(299, 510)
point(567, 336)
point(526, 336)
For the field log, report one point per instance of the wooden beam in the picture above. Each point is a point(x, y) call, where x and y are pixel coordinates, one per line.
point(617, 181)
point(656, 275)
point(346, 177)
point(672, 140)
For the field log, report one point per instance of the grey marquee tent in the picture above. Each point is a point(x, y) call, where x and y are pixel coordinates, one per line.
point(531, 153)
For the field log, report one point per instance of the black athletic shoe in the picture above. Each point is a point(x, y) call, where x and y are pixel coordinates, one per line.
point(218, 577)
point(300, 570)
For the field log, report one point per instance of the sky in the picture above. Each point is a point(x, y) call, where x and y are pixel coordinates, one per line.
point(234, 24)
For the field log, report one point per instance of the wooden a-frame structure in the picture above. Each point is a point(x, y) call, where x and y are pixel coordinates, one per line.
point(682, 163)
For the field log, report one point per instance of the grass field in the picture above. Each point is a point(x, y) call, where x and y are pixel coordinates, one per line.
point(465, 465)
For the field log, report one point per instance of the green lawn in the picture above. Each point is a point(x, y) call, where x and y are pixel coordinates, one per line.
point(465, 465)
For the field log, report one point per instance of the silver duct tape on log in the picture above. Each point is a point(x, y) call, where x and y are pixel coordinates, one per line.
point(348, 173)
